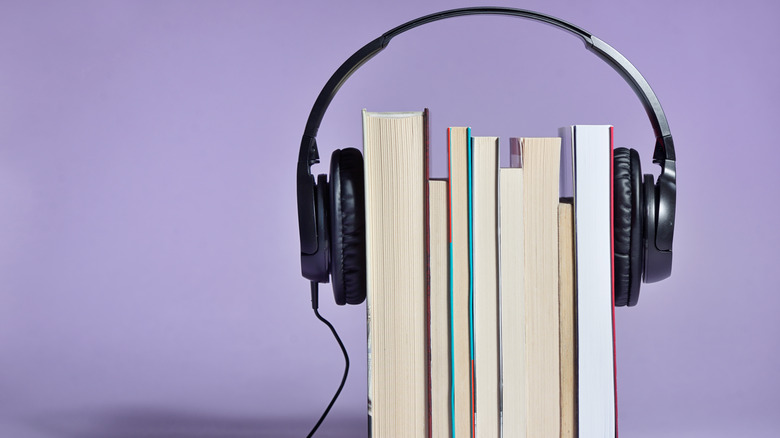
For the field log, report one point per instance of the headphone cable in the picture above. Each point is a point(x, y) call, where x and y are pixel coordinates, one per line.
point(315, 305)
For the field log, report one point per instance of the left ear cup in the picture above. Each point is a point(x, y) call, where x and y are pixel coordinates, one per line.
point(316, 265)
point(347, 227)
point(627, 225)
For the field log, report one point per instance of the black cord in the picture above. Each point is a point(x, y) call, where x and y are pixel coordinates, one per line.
point(314, 305)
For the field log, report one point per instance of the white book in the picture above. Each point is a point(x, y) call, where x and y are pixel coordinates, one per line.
point(586, 174)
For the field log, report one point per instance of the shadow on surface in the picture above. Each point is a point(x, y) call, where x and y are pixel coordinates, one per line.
point(150, 423)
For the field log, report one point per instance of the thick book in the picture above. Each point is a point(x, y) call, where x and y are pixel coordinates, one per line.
point(438, 305)
point(511, 296)
point(461, 402)
point(541, 166)
point(395, 157)
point(587, 176)
point(484, 230)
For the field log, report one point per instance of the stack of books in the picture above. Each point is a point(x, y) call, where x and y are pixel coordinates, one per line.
point(490, 293)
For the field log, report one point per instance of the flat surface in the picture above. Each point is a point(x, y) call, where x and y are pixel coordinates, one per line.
point(149, 423)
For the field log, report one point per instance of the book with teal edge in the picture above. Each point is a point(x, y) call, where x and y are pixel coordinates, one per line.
point(461, 391)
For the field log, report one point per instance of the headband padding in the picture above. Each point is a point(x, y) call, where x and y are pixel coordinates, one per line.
point(348, 231)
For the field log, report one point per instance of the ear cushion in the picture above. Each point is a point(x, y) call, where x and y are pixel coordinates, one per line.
point(627, 226)
point(347, 226)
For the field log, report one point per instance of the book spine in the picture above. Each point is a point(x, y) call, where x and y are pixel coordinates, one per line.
point(369, 356)
point(612, 266)
point(451, 283)
point(427, 258)
point(457, 154)
point(472, 381)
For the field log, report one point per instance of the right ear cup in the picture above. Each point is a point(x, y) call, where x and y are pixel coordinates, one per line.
point(628, 197)
point(347, 227)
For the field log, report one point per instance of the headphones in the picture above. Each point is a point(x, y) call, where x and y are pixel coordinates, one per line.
point(331, 212)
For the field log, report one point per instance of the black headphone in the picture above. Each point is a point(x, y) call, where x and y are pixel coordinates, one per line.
point(331, 213)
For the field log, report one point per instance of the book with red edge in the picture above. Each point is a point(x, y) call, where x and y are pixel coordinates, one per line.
point(461, 383)
point(586, 175)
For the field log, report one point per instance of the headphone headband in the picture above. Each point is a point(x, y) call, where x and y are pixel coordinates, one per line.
point(664, 153)
point(664, 147)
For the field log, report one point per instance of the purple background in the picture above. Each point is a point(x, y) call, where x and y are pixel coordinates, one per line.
point(149, 274)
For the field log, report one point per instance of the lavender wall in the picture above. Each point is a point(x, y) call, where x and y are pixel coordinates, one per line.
point(149, 277)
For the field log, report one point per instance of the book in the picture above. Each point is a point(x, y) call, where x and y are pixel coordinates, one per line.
point(589, 180)
point(395, 162)
point(484, 230)
point(541, 166)
point(567, 302)
point(438, 303)
point(511, 296)
point(458, 156)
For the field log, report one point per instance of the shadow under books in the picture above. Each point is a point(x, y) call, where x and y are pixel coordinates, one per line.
point(135, 422)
